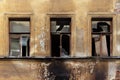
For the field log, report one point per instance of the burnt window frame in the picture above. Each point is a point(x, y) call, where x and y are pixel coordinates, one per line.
point(110, 33)
point(61, 34)
point(20, 34)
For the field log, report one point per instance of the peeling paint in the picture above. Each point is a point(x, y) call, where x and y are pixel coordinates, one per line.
point(42, 44)
point(64, 70)
point(112, 70)
point(42, 41)
point(70, 70)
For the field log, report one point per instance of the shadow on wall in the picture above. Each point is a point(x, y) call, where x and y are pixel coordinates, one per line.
point(59, 71)
point(101, 71)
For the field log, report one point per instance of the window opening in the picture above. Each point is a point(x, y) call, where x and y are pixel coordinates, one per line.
point(60, 37)
point(101, 36)
point(19, 36)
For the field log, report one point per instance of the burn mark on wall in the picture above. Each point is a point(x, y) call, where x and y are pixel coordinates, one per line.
point(82, 70)
point(70, 70)
point(101, 71)
point(60, 70)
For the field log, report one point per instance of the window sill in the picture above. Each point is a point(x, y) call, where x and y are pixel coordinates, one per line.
point(64, 58)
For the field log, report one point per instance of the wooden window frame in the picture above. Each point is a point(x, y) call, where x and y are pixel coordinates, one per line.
point(103, 15)
point(61, 34)
point(110, 33)
point(19, 34)
point(73, 28)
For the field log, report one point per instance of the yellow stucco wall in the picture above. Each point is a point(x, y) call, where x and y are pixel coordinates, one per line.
point(42, 69)
point(39, 10)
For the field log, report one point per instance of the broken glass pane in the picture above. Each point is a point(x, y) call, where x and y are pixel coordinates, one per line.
point(65, 50)
point(101, 31)
point(98, 26)
point(60, 24)
point(66, 28)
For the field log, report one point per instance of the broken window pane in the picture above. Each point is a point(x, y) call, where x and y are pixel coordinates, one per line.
point(100, 26)
point(60, 24)
point(60, 36)
point(101, 33)
point(55, 45)
point(65, 45)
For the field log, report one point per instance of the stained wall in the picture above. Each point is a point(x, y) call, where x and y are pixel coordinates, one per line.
point(39, 10)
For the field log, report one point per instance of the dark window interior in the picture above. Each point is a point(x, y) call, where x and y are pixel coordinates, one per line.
point(101, 36)
point(60, 37)
point(55, 46)
point(66, 44)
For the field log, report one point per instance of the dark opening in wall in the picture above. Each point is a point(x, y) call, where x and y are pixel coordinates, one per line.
point(66, 44)
point(55, 45)
point(60, 36)
point(101, 36)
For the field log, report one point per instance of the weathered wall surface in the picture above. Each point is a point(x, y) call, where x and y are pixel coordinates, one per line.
point(76, 69)
point(39, 28)
point(39, 11)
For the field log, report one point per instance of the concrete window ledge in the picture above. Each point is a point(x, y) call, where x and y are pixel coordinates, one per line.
point(64, 58)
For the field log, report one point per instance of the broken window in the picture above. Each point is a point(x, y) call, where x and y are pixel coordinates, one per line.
point(19, 36)
point(101, 36)
point(60, 36)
